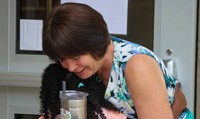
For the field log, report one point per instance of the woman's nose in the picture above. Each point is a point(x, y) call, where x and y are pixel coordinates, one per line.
point(69, 65)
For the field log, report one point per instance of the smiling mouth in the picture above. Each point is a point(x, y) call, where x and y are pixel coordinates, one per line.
point(80, 71)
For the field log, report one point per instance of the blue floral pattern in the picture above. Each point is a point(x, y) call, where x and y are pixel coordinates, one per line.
point(117, 92)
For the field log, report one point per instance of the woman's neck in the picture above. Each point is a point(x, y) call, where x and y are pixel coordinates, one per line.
point(107, 60)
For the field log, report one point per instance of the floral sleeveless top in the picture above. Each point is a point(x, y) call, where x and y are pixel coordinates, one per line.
point(117, 92)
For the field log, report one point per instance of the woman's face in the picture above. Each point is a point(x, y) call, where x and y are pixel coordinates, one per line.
point(83, 66)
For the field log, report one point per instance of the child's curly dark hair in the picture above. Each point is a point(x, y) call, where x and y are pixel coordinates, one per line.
point(52, 78)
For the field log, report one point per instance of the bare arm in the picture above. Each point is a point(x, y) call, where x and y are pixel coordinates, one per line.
point(180, 102)
point(147, 88)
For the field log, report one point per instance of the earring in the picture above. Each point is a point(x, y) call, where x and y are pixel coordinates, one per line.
point(98, 79)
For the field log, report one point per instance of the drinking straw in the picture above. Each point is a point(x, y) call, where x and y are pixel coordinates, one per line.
point(63, 87)
point(63, 92)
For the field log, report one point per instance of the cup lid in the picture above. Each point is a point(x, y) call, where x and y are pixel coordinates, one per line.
point(73, 94)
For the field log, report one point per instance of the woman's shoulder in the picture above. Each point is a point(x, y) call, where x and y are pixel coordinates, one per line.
point(124, 50)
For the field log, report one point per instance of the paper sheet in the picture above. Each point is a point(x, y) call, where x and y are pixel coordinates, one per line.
point(115, 13)
point(31, 35)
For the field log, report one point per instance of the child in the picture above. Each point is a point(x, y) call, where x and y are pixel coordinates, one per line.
point(52, 79)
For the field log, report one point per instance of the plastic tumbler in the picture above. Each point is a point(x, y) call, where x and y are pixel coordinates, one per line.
point(73, 104)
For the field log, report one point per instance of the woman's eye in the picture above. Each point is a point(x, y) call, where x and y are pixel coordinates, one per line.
point(60, 60)
point(75, 58)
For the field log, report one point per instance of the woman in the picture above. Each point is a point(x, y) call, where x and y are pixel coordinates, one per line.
point(136, 80)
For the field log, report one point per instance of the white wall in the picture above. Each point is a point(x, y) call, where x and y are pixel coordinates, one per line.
point(4, 35)
point(18, 100)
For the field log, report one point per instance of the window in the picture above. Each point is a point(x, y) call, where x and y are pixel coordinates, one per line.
point(139, 26)
point(29, 12)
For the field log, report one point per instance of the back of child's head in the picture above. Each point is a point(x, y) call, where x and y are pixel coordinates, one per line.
point(52, 78)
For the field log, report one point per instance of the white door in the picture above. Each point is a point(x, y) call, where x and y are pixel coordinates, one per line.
point(175, 29)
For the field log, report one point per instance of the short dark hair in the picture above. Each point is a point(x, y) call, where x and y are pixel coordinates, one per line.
point(73, 29)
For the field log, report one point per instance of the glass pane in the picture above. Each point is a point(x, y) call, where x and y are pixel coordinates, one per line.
point(35, 9)
point(26, 116)
point(140, 22)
